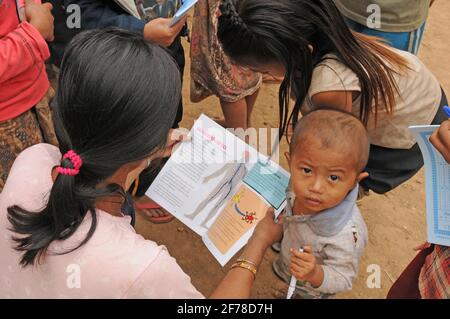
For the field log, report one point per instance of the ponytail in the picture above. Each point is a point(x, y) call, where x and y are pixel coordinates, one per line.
point(68, 204)
point(110, 116)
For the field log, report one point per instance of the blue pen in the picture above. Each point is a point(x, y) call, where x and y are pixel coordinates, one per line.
point(447, 110)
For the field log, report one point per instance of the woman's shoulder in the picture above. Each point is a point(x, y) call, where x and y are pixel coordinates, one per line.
point(30, 176)
point(38, 155)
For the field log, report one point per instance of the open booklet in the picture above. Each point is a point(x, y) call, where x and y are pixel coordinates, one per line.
point(151, 9)
point(220, 187)
point(437, 172)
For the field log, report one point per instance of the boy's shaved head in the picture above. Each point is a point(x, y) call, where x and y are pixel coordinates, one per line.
point(336, 130)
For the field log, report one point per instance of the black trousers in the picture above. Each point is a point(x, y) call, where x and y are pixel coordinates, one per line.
point(388, 168)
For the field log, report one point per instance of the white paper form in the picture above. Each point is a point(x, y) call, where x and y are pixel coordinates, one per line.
point(220, 187)
point(437, 172)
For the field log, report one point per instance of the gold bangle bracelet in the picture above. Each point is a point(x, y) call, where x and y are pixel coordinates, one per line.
point(246, 265)
point(247, 261)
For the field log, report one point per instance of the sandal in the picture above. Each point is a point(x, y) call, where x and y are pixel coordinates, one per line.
point(156, 220)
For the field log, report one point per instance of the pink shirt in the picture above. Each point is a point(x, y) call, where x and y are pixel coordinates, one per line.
point(115, 263)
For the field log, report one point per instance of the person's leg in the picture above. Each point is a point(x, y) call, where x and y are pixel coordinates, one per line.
point(407, 284)
point(238, 114)
point(251, 100)
point(235, 114)
point(16, 135)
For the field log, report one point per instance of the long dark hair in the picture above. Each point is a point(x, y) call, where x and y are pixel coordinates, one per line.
point(116, 101)
point(255, 32)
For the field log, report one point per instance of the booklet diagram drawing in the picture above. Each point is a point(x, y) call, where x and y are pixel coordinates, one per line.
point(184, 9)
point(152, 9)
point(220, 187)
point(437, 173)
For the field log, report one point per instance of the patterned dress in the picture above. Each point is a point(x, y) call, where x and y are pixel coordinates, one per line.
point(212, 72)
point(31, 127)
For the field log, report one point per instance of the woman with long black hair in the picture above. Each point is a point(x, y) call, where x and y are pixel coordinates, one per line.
point(326, 64)
point(65, 217)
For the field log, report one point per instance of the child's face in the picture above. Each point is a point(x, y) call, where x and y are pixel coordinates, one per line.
point(321, 178)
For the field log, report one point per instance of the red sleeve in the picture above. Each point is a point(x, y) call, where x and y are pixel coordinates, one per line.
point(20, 50)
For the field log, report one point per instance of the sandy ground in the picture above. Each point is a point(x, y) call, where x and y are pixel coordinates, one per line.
point(396, 221)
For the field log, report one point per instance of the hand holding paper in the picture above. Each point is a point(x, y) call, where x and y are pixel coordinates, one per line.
point(216, 185)
point(184, 9)
point(437, 172)
point(162, 31)
point(267, 231)
point(441, 140)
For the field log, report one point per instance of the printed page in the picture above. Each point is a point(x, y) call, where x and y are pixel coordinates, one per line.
point(183, 10)
point(437, 172)
point(202, 174)
point(236, 223)
point(217, 182)
point(152, 9)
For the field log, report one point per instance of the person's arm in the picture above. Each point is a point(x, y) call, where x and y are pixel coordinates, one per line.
point(334, 275)
point(304, 267)
point(239, 281)
point(164, 278)
point(441, 140)
point(98, 14)
point(25, 46)
point(342, 100)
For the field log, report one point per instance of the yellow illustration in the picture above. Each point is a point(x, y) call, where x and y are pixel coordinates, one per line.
point(242, 212)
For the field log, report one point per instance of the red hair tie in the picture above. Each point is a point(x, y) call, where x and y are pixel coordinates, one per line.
point(76, 161)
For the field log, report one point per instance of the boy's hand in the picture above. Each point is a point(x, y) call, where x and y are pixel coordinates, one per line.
point(40, 16)
point(160, 32)
point(441, 140)
point(304, 266)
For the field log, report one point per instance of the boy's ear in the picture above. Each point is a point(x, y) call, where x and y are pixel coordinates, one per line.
point(362, 176)
point(288, 158)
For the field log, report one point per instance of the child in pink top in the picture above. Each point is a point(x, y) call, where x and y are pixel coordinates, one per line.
point(23, 80)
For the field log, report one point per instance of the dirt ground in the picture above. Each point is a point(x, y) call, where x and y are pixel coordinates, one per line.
point(396, 221)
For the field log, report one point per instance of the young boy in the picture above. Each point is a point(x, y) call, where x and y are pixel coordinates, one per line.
point(328, 152)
